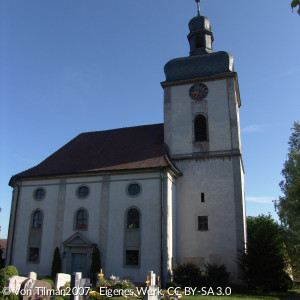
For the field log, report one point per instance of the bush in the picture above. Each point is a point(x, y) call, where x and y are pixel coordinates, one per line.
point(284, 283)
point(265, 262)
point(11, 296)
point(65, 286)
point(6, 273)
point(96, 264)
point(56, 263)
point(171, 284)
point(217, 276)
point(188, 274)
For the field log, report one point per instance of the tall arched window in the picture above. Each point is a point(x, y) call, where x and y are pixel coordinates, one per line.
point(200, 128)
point(133, 218)
point(81, 219)
point(37, 219)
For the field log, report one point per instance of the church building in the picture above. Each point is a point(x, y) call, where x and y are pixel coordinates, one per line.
point(149, 197)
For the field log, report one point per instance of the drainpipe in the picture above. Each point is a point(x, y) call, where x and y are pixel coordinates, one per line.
point(14, 223)
point(162, 222)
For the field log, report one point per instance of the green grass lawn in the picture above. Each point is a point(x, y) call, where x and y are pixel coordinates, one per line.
point(251, 295)
point(294, 294)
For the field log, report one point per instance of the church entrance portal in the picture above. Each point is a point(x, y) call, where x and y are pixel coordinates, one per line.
point(78, 256)
point(79, 263)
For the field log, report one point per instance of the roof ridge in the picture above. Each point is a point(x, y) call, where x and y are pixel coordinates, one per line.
point(121, 128)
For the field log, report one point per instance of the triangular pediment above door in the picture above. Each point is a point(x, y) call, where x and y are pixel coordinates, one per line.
point(77, 240)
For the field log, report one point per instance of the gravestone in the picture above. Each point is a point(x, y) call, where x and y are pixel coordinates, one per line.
point(32, 275)
point(152, 287)
point(152, 277)
point(32, 289)
point(14, 284)
point(75, 281)
point(61, 279)
point(79, 286)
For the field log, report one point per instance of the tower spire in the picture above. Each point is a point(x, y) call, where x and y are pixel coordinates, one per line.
point(198, 5)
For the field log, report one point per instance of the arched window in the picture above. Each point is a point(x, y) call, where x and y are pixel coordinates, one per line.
point(82, 219)
point(37, 219)
point(200, 127)
point(133, 218)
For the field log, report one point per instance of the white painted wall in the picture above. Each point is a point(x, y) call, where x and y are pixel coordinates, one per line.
point(214, 178)
point(212, 175)
point(27, 204)
point(148, 202)
point(91, 204)
point(182, 111)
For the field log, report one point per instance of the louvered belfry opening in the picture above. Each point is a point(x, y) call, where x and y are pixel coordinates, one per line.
point(200, 129)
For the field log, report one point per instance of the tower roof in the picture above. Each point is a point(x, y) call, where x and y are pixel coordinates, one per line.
point(199, 23)
point(202, 62)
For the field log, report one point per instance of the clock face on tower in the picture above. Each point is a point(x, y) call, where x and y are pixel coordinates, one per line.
point(198, 91)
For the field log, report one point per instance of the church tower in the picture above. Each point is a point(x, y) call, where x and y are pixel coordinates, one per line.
point(202, 135)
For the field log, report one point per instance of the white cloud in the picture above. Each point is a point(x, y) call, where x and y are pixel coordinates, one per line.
point(261, 199)
point(253, 128)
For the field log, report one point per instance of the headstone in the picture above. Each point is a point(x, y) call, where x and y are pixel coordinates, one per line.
point(158, 282)
point(75, 282)
point(84, 283)
point(32, 275)
point(32, 289)
point(14, 284)
point(152, 289)
point(61, 279)
point(79, 287)
point(152, 278)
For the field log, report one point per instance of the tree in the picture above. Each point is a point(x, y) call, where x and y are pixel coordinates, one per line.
point(296, 3)
point(265, 260)
point(6, 273)
point(56, 263)
point(289, 204)
point(96, 264)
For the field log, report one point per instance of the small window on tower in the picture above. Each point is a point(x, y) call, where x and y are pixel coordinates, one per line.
point(202, 223)
point(199, 42)
point(202, 197)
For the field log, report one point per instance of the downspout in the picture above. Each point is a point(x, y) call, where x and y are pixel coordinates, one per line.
point(14, 223)
point(162, 222)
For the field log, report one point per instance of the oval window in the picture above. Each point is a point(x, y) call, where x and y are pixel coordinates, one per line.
point(134, 189)
point(39, 194)
point(83, 192)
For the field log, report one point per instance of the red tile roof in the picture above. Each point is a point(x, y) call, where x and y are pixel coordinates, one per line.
point(3, 243)
point(119, 149)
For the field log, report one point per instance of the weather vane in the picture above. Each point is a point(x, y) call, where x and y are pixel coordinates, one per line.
point(198, 4)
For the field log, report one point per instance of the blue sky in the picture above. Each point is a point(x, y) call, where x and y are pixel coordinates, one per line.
point(74, 66)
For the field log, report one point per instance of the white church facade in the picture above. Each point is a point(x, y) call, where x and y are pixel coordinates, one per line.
point(149, 196)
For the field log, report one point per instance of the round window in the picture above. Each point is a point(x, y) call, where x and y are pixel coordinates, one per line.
point(134, 189)
point(83, 192)
point(39, 194)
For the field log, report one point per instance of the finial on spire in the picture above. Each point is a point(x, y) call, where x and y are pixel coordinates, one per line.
point(198, 4)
